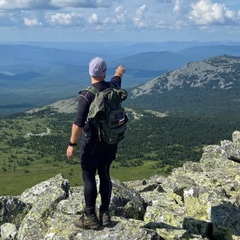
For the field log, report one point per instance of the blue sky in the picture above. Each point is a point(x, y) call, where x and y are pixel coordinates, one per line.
point(119, 20)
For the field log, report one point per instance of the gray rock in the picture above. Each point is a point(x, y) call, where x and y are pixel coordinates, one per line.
point(8, 231)
point(12, 210)
point(200, 200)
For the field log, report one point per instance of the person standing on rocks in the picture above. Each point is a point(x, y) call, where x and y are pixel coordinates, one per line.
point(95, 156)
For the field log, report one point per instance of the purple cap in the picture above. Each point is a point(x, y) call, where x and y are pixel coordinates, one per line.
point(97, 67)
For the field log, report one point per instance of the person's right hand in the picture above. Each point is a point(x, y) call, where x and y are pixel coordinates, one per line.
point(120, 71)
point(70, 152)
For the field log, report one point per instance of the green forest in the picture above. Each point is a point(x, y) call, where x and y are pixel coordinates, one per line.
point(33, 146)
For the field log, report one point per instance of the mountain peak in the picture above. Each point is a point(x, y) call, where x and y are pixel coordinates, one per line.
point(216, 72)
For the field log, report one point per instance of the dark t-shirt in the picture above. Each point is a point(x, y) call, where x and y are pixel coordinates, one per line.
point(84, 101)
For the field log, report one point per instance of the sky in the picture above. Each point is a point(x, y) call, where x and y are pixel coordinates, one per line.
point(119, 20)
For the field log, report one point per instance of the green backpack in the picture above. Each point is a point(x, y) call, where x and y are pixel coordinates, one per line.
point(107, 113)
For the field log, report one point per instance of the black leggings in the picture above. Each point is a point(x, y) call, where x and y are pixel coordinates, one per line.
point(90, 188)
point(96, 160)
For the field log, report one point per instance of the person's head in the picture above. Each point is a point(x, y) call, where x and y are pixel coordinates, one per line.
point(97, 68)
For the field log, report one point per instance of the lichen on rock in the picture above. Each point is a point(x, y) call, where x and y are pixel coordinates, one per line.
point(200, 200)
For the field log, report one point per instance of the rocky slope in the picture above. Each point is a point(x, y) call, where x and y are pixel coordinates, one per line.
point(197, 201)
point(70, 106)
point(222, 72)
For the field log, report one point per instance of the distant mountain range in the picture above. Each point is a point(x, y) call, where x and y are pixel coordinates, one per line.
point(149, 58)
point(208, 87)
point(37, 75)
point(125, 48)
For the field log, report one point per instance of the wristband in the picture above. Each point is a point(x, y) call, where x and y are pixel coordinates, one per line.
point(71, 144)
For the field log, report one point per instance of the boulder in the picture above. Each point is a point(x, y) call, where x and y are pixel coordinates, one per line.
point(200, 200)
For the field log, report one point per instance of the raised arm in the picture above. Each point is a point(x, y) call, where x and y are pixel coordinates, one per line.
point(120, 71)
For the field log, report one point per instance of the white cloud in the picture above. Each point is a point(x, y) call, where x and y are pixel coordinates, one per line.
point(180, 9)
point(24, 4)
point(118, 9)
point(81, 3)
point(120, 14)
point(51, 4)
point(93, 19)
point(205, 12)
point(31, 22)
point(65, 19)
point(141, 10)
point(139, 20)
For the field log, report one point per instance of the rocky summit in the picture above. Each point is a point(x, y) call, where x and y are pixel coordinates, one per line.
point(200, 200)
point(221, 72)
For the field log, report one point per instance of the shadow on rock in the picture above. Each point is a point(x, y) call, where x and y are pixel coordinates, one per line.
point(225, 219)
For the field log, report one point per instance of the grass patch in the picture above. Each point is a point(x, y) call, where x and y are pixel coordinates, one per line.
point(15, 182)
point(144, 171)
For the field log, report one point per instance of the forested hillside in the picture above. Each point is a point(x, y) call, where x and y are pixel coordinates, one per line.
point(33, 146)
point(208, 87)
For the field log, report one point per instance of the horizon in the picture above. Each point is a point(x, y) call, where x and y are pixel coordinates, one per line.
point(127, 42)
point(119, 21)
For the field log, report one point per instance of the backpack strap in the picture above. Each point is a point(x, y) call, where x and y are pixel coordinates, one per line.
point(93, 90)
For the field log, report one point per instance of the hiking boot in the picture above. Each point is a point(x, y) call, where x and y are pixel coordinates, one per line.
point(87, 222)
point(105, 218)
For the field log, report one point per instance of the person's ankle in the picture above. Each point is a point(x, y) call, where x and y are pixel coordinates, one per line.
point(89, 211)
point(103, 209)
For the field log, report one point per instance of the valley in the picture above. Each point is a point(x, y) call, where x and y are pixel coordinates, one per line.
point(173, 113)
point(166, 141)
point(34, 74)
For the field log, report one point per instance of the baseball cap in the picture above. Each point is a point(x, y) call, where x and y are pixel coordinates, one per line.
point(97, 67)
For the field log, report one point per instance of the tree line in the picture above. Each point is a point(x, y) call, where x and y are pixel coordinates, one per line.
point(169, 141)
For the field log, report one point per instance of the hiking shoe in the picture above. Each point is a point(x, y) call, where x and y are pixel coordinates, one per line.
point(105, 218)
point(87, 222)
